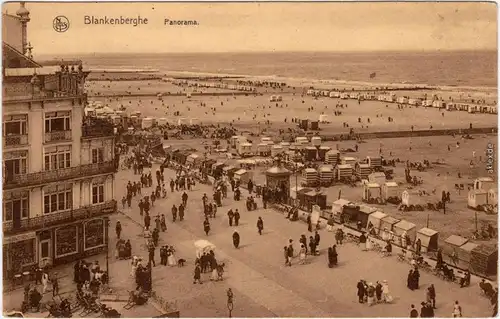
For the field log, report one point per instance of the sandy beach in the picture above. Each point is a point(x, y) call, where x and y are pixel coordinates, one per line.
point(255, 113)
point(257, 110)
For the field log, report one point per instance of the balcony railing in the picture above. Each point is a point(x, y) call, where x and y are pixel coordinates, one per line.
point(55, 219)
point(15, 140)
point(45, 177)
point(42, 98)
point(97, 128)
point(56, 136)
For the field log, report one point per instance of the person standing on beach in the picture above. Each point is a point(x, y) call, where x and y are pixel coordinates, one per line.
point(236, 217)
point(206, 226)
point(230, 216)
point(260, 225)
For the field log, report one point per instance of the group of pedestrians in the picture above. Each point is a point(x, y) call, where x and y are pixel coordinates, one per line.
point(373, 293)
point(367, 292)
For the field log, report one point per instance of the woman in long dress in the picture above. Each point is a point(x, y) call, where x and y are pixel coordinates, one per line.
point(386, 297)
point(302, 254)
point(370, 292)
point(45, 281)
point(368, 243)
point(134, 266)
point(171, 261)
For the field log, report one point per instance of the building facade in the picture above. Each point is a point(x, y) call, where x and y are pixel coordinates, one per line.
point(58, 166)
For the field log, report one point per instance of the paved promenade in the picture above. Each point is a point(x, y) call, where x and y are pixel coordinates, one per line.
point(263, 286)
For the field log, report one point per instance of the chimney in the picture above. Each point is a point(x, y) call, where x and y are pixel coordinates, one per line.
point(24, 17)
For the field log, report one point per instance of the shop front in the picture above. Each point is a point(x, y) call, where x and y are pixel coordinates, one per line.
point(94, 236)
point(66, 241)
point(19, 253)
point(79, 240)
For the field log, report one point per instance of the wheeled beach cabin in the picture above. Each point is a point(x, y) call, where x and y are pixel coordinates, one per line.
point(415, 102)
point(439, 104)
point(477, 198)
point(402, 100)
point(484, 183)
point(245, 149)
point(301, 140)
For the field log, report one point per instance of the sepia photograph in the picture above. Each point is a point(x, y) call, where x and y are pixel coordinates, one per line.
point(250, 159)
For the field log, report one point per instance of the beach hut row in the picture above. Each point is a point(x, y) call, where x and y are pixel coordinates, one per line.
point(392, 98)
point(212, 167)
point(379, 191)
point(149, 122)
point(479, 258)
point(351, 166)
point(382, 225)
point(215, 85)
point(387, 98)
point(341, 95)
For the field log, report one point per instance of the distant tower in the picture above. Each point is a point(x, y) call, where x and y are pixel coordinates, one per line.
point(24, 17)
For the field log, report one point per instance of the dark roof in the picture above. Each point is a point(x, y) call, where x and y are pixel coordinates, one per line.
point(277, 170)
point(12, 58)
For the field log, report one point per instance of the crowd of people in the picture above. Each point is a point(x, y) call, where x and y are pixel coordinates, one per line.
point(308, 247)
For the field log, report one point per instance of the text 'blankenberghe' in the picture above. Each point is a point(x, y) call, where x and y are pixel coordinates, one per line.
point(121, 20)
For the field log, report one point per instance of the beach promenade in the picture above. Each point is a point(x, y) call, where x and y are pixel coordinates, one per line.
point(263, 286)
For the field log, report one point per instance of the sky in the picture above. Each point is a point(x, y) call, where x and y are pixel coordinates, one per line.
point(247, 27)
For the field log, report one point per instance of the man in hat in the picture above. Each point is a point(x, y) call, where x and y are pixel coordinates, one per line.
point(361, 291)
point(413, 312)
point(118, 229)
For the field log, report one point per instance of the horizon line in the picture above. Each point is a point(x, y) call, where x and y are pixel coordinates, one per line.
point(270, 51)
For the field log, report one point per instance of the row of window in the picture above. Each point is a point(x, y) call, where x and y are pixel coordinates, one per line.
point(58, 200)
point(54, 158)
point(54, 121)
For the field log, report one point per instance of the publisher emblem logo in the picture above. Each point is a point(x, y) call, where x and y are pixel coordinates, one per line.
point(60, 24)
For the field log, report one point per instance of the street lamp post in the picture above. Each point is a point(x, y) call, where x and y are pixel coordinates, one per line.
point(230, 304)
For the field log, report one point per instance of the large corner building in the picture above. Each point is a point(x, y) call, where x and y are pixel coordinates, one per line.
point(58, 165)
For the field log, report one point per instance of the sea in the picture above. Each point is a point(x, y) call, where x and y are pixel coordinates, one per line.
point(467, 69)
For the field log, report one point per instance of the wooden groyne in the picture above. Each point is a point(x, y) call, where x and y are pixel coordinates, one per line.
point(420, 133)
